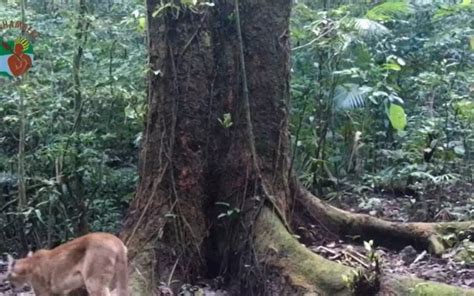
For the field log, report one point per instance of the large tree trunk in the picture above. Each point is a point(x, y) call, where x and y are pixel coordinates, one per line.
point(190, 161)
point(215, 193)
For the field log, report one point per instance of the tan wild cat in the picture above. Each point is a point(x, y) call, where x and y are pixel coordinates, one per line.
point(96, 262)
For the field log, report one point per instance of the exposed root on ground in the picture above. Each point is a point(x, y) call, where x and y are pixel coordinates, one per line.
point(295, 269)
point(427, 236)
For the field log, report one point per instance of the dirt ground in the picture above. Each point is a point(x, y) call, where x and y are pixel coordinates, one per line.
point(455, 267)
point(454, 203)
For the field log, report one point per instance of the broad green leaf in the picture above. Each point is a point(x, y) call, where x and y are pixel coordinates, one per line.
point(465, 108)
point(397, 117)
point(392, 66)
point(130, 112)
point(141, 24)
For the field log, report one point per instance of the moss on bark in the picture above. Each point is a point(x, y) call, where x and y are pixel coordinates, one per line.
point(397, 285)
point(301, 268)
point(142, 278)
point(310, 274)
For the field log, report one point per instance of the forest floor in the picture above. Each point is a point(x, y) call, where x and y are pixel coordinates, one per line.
point(5, 290)
point(452, 203)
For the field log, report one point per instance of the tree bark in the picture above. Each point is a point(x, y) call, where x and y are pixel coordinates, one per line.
point(215, 187)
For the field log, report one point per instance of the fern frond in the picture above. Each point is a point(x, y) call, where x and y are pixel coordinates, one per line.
point(448, 10)
point(388, 10)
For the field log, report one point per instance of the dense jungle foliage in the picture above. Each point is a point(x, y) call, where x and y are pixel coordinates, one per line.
point(382, 102)
point(383, 99)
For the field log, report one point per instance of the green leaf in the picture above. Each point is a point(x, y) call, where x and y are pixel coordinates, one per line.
point(368, 245)
point(38, 215)
point(392, 66)
point(367, 27)
point(141, 24)
point(226, 122)
point(465, 108)
point(350, 96)
point(10, 118)
point(401, 62)
point(459, 150)
point(388, 10)
point(397, 117)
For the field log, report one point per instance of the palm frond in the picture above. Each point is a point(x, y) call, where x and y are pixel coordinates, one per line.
point(369, 28)
point(350, 96)
point(388, 10)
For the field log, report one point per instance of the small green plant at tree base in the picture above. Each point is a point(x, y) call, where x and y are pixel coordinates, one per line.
point(374, 259)
point(361, 282)
point(365, 281)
